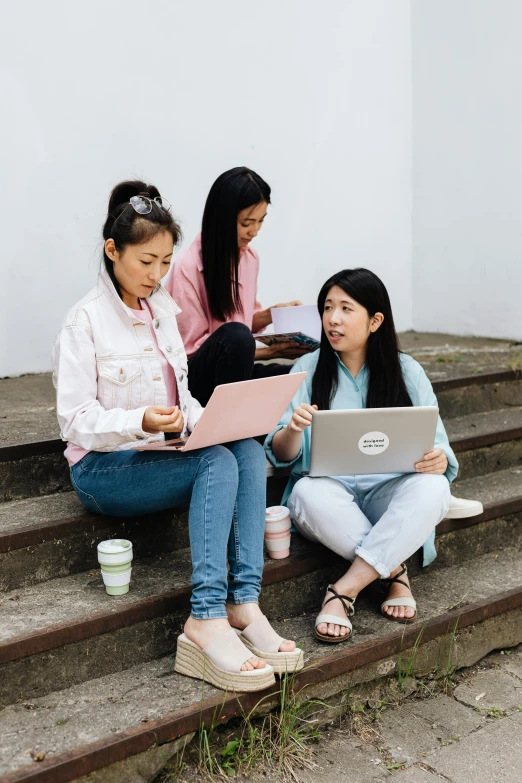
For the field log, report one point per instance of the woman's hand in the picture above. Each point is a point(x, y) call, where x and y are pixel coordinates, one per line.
point(159, 419)
point(263, 318)
point(287, 441)
point(301, 417)
point(288, 350)
point(434, 462)
point(295, 303)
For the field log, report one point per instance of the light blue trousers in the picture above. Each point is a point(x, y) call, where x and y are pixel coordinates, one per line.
point(383, 520)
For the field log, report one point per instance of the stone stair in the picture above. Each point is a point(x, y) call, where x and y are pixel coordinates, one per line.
point(88, 680)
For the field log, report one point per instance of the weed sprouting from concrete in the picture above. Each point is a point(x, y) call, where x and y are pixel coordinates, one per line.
point(451, 668)
point(364, 721)
point(405, 665)
point(496, 712)
point(280, 742)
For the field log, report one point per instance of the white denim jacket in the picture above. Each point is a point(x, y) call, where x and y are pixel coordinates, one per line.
point(106, 369)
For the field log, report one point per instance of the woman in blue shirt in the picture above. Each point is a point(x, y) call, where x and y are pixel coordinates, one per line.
point(376, 521)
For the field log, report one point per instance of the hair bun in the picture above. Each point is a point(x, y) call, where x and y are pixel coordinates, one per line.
point(124, 191)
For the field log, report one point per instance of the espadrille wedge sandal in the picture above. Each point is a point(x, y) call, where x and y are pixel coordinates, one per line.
point(220, 662)
point(263, 641)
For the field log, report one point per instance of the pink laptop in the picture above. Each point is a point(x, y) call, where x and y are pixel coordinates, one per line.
point(236, 411)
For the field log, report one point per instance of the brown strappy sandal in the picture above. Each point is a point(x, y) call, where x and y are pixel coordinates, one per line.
point(406, 601)
point(332, 618)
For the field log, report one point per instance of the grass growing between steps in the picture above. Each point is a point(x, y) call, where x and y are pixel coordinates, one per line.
point(288, 744)
point(280, 743)
point(444, 674)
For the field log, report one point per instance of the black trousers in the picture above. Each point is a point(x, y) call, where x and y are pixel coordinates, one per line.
point(227, 356)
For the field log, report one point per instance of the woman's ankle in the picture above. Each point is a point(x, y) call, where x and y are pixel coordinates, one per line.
point(196, 626)
point(243, 613)
point(359, 575)
point(397, 571)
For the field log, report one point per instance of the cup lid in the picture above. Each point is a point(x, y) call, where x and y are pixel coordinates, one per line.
point(276, 513)
point(115, 546)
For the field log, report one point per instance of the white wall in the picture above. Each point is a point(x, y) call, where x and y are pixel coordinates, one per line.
point(467, 174)
point(314, 96)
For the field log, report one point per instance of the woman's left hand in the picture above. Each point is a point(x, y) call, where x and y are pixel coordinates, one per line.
point(295, 303)
point(263, 318)
point(434, 462)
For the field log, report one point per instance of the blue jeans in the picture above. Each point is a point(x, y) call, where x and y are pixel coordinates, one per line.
point(226, 487)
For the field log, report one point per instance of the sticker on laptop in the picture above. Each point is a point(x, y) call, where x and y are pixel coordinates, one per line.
point(374, 443)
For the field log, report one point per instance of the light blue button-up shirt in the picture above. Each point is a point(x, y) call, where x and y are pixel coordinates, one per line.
point(351, 393)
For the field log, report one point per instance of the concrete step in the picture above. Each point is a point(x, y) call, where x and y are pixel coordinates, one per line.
point(465, 612)
point(46, 537)
point(487, 441)
point(53, 536)
point(28, 402)
point(31, 462)
point(68, 630)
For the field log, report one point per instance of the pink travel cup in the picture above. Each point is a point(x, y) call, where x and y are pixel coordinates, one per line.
point(277, 531)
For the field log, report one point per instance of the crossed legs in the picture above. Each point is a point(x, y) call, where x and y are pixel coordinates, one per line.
point(375, 524)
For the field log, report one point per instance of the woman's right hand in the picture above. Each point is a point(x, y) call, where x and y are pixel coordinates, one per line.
point(288, 350)
point(302, 417)
point(159, 419)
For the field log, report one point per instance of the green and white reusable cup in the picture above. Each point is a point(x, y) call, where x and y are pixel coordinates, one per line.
point(277, 532)
point(115, 559)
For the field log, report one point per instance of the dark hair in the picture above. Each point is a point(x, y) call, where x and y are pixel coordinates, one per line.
point(126, 227)
point(386, 386)
point(233, 191)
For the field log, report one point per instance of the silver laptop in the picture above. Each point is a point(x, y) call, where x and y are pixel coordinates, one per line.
point(371, 440)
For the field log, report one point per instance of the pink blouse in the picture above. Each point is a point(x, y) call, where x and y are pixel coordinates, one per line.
point(187, 287)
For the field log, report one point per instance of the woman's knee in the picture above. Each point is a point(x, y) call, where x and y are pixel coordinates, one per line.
point(434, 492)
point(220, 460)
point(303, 500)
point(237, 336)
point(251, 451)
point(317, 506)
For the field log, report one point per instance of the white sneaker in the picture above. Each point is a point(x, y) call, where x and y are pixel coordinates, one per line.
point(459, 508)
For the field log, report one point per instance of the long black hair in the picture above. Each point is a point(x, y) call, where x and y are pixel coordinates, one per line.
point(233, 191)
point(126, 227)
point(386, 386)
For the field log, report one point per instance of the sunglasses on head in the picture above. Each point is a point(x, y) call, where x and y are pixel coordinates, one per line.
point(143, 205)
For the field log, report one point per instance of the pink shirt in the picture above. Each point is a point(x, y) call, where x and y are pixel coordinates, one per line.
point(187, 287)
point(168, 373)
point(74, 453)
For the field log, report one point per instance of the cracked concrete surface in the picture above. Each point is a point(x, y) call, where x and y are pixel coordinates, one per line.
point(445, 737)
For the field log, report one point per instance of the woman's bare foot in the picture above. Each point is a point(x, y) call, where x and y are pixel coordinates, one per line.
point(336, 608)
point(202, 632)
point(359, 575)
point(399, 591)
point(241, 615)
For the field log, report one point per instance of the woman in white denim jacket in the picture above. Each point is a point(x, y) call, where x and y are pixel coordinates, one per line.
point(120, 372)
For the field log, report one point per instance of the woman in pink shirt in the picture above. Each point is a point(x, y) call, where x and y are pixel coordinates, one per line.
point(215, 283)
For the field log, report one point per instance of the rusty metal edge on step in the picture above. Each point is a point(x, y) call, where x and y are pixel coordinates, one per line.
point(89, 758)
point(486, 439)
point(61, 528)
point(77, 630)
point(41, 532)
